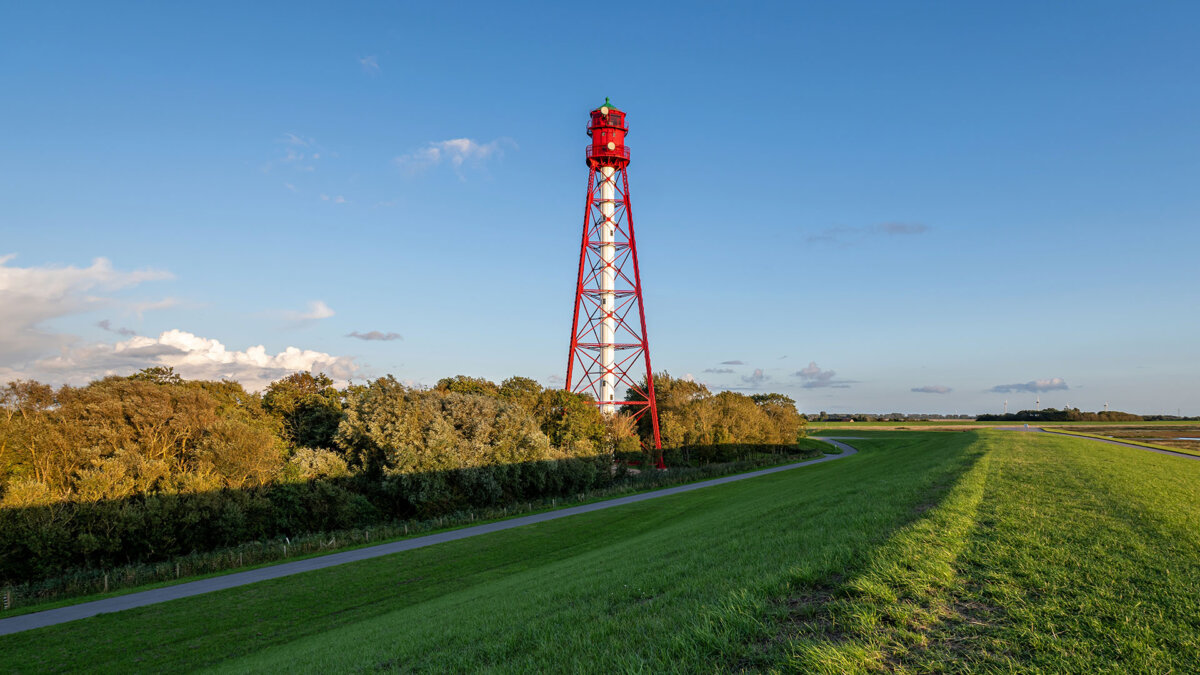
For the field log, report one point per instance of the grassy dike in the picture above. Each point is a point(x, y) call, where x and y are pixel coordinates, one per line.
point(618, 589)
point(83, 586)
point(1053, 554)
point(975, 551)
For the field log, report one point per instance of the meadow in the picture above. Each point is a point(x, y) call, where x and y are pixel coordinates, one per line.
point(927, 551)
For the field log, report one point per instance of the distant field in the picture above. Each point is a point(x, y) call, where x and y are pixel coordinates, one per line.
point(983, 550)
point(1173, 436)
point(815, 428)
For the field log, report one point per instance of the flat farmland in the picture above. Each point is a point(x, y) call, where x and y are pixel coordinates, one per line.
point(1176, 436)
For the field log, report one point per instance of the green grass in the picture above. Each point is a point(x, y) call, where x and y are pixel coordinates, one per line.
point(621, 589)
point(141, 577)
point(1130, 441)
point(982, 551)
point(1052, 554)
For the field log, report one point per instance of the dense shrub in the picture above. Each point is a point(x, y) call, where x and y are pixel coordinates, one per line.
point(146, 468)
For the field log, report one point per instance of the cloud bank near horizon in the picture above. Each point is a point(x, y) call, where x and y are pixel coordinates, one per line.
point(1031, 387)
point(30, 297)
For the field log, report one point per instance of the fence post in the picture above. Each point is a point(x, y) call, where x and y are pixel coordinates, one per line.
point(176, 570)
point(106, 582)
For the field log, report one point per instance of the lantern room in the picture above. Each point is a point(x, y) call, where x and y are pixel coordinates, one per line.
point(607, 129)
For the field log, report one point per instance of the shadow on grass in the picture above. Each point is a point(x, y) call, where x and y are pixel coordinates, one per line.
point(820, 622)
point(70, 549)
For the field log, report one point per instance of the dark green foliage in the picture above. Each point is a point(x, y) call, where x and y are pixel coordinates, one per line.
point(130, 470)
point(309, 407)
point(461, 384)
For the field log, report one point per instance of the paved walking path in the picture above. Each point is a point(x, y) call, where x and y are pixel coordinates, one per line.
point(52, 617)
point(1105, 440)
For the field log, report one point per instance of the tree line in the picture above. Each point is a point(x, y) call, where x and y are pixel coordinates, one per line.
point(1064, 415)
point(150, 466)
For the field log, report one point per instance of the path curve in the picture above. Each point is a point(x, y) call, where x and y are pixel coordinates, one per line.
point(51, 617)
point(1105, 440)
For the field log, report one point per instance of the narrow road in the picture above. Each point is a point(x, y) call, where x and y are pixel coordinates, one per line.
point(52, 617)
point(1105, 440)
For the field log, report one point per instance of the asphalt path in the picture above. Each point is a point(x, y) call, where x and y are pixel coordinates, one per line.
point(119, 603)
point(1104, 440)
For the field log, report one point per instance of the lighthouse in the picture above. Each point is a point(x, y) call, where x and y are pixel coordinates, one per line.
point(610, 351)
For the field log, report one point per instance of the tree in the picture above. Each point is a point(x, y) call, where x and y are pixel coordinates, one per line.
point(522, 391)
point(25, 406)
point(462, 384)
point(157, 375)
point(309, 408)
point(568, 418)
point(789, 424)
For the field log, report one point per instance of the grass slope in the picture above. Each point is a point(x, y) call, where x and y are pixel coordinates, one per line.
point(978, 551)
point(637, 587)
point(125, 579)
point(1052, 554)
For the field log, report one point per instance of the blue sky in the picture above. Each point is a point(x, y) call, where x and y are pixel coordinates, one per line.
point(907, 195)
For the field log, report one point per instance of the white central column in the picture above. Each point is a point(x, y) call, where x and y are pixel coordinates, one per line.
point(608, 277)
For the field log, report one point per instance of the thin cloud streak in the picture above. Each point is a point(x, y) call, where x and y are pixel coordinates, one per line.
point(375, 335)
point(457, 152)
point(845, 235)
point(1032, 387)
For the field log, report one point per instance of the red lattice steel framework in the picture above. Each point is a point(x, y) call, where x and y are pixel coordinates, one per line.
point(608, 292)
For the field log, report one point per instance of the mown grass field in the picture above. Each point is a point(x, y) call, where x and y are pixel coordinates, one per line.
point(979, 550)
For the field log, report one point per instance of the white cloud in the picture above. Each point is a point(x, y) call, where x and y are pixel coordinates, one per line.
point(317, 310)
point(370, 64)
point(192, 357)
point(457, 152)
point(932, 389)
point(31, 296)
point(140, 308)
point(338, 199)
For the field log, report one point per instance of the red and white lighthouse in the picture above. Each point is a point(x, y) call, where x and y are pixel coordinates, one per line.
point(610, 352)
